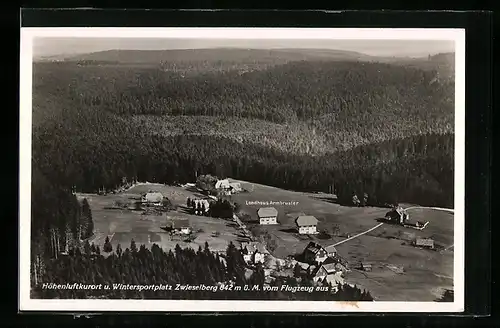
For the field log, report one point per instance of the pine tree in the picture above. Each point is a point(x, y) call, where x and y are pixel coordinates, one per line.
point(119, 250)
point(86, 220)
point(107, 245)
point(133, 246)
point(87, 248)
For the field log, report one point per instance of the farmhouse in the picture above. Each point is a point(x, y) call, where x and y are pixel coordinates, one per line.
point(331, 250)
point(152, 198)
point(180, 226)
point(306, 224)
point(365, 266)
point(315, 253)
point(329, 270)
point(424, 242)
point(268, 215)
point(235, 186)
point(397, 215)
point(222, 184)
point(252, 253)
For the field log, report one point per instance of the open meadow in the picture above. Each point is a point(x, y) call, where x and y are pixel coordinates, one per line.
point(400, 272)
point(123, 225)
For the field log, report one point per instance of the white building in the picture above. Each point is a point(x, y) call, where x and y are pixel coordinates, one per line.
point(235, 186)
point(268, 215)
point(315, 253)
point(331, 250)
point(152, 197)
point(222, 184)
point(330, 270)
point(253, 253)
point(307, 224)
point(180, 226)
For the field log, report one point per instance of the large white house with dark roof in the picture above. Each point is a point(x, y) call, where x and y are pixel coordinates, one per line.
point(306, 224)
point(152, 197)
point(268, 215)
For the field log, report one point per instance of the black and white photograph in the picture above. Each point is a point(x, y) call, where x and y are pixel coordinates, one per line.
point(242, 169)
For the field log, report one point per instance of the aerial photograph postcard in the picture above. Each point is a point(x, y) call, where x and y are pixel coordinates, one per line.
point(283, 170)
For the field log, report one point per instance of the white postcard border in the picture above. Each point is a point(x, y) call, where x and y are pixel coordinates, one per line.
point(28, 304)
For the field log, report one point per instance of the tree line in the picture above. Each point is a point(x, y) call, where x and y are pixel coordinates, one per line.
point(142, 266)
point(418, 169)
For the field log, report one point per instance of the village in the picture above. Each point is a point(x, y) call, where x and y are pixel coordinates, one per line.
point(283, 241)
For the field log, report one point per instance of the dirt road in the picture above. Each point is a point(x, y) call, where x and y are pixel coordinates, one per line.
point(359, 234)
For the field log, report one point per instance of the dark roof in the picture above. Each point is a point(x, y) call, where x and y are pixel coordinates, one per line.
point(314, 247)
point(266, 212)
point(306, 220)
point(331, 249)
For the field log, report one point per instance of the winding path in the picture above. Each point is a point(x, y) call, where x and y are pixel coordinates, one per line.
point(359, 234)
point(449, 210)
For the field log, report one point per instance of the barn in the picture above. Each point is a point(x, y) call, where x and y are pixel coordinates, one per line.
point(397, 215)
point(424, 242)
point(314, 253)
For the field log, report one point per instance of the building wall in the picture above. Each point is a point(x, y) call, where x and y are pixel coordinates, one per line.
point(247, 257)
point(268, 220)
point(307, 230)
point(321, 256)
point(258, 258)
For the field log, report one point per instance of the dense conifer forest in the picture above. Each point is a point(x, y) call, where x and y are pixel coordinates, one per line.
point(139, 266)
point(380, 129)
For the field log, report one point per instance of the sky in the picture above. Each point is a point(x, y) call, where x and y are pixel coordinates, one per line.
point(400, 48)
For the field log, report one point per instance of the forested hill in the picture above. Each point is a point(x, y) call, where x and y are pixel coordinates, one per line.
point(298, 125)
point(335, 105)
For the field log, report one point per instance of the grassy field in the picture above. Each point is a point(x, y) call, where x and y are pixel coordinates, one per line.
point(424, 272)
point(401, 272)
point(123, 225)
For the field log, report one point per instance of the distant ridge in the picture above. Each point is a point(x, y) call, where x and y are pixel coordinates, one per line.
point(213, 54)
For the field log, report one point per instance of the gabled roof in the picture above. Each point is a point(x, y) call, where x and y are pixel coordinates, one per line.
point(266, 212)
point(306, 220)
point(252, 247)
point(314, 247)
point(223, 182)
point(330, 265)
point(153, 196)
point(331, 249)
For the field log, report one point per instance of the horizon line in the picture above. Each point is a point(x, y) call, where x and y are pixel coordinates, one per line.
point(246, 48)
